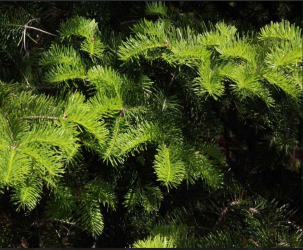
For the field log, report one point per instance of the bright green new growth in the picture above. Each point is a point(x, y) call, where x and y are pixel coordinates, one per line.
point(42, 137)
point(235, 55)
point(169, 167)
point(155, 242)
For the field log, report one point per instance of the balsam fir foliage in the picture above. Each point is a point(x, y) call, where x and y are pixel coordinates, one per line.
point(129, 129)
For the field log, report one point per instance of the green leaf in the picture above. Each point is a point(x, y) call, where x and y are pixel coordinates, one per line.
point(14, 167)
point(156, 8)
point(78, 26)
point(93, 46)
point(170, 168)
point(89, 215)
point(285, 83)
point(209, 81)
point(282, 31)
point(60, 55)
point(28, 194)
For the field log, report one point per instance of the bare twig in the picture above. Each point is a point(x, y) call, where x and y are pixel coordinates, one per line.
point(58, 233)
point(255, 243)
point(24, 43)
point(170, 83)
point(26, 26)
point(24, 33)
point(164, 104)
point(68, 223)
point(33, 28)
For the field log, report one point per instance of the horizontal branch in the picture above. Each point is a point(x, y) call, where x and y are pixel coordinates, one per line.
point(39, 118)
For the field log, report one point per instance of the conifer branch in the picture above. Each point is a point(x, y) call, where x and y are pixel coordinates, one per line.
point(39, 118)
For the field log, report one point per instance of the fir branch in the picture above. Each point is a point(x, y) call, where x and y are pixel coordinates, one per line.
point(169, 166)
point(39, 118)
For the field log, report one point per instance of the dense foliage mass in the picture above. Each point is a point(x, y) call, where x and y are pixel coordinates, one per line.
point(149, 125)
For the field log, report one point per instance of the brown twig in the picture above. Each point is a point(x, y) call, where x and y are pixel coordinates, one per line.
point(255, 243)
point(224, 211)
